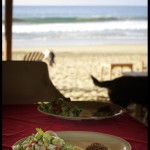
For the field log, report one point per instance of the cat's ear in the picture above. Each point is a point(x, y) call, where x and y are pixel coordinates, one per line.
point(95, 81)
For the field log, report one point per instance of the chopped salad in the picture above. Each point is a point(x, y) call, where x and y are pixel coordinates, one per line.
point(64, 108)
point(44, 141)
point(61, 107)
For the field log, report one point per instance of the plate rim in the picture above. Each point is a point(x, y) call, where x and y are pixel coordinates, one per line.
point(85, 118)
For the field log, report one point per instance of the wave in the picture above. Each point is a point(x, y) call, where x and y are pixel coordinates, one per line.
point(74, 19)
point(80, 27)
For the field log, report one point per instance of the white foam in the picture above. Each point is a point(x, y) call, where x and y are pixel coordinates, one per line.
point(79, 27)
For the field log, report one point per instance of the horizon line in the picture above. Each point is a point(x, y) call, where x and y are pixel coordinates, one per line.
point(77, 5)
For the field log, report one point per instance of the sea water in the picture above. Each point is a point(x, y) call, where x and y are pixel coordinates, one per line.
point(77, 25)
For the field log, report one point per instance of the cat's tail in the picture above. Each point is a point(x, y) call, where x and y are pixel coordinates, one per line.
point(106, 84)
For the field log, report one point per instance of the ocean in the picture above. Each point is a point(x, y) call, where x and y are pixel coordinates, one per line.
point(38, 26)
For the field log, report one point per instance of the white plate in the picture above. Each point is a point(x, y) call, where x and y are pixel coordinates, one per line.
point(83, 139)
point(90, 106)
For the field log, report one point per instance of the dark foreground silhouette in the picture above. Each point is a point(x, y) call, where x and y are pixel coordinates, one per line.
point(126, 90)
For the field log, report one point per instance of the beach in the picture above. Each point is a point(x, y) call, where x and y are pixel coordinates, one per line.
point(83, 38)
point(74, 65)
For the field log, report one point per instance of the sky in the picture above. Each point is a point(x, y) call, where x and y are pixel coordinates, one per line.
point(80, 2)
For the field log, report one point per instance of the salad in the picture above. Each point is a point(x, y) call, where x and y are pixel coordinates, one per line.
point(44, 141)
point(61, 107)
point(64, 108)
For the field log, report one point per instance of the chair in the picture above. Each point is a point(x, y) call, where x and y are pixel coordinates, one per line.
point(34, 56)
point(144, 67)
point(37, 56)
point(111, 66)
point(26, 82)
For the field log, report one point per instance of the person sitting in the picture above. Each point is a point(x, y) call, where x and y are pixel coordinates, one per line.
point(52, 58)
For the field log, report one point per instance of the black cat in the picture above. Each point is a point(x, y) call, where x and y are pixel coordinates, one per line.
point(126, 90)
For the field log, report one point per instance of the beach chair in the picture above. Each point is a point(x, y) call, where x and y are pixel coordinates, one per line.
point(144, 67)
point(34, 56)
point(26, 82)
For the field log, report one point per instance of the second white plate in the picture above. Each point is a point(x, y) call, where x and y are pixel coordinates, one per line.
point(90, 106)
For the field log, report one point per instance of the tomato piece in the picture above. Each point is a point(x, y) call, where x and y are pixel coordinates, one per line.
point(30, 144)
point(57, 109)
point(58, 146)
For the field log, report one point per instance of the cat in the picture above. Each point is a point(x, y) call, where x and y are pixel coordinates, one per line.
point(125, 90)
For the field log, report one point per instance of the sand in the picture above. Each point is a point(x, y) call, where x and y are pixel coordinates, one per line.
point(74, 65)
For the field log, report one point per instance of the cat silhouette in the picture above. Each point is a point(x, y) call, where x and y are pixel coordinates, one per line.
point(125, 90)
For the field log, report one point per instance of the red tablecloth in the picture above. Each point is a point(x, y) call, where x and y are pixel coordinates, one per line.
point(19, 121)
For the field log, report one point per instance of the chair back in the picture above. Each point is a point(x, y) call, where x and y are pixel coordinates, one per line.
point(26, 82)
point(34, 56)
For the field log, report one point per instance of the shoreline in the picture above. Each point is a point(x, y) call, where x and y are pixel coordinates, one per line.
point(112, 48)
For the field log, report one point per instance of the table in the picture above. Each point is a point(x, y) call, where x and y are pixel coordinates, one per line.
point(111, 66)
point(19, 121)
point(136, 74)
